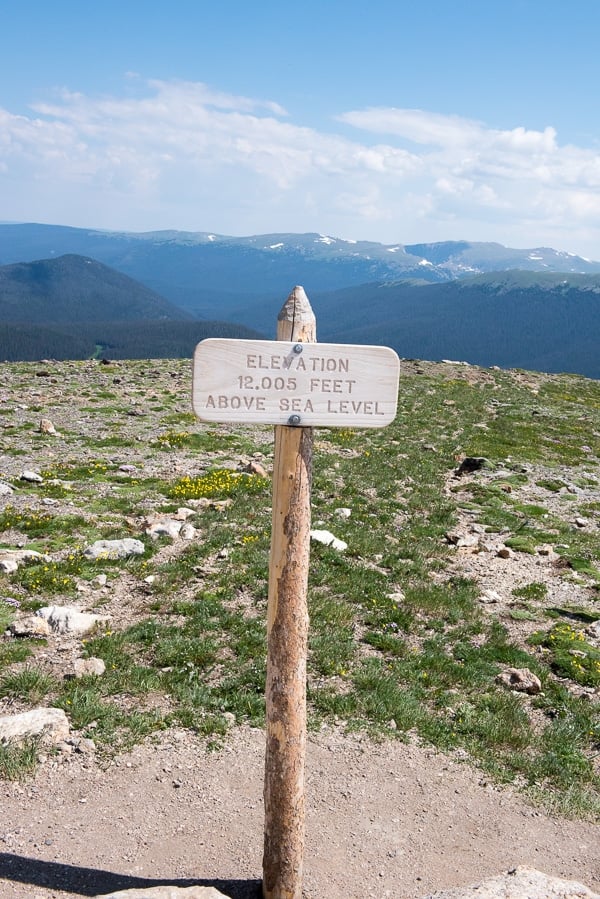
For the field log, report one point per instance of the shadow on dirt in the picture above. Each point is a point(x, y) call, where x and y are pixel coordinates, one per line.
point(92, 882)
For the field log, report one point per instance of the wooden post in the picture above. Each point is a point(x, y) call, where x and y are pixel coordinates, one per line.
point(287, 633)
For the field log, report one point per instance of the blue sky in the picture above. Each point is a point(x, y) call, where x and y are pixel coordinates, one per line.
point(395, 122)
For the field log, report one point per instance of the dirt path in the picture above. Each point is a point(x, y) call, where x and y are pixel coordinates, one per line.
point(386, 820)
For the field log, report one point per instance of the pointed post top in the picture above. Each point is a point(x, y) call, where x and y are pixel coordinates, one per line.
point(296, 321)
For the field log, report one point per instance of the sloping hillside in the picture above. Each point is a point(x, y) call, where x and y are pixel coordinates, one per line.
point(77, 289)
point(511, 319)
point(74, 308)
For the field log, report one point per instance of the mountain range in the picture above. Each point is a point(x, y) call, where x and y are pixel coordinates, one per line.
point(482, 302)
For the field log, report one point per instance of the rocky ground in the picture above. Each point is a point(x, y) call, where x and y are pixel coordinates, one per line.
point(387, 819)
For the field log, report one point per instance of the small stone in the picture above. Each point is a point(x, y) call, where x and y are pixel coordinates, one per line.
point(593, 630)
point(581, 522)
point(520, 679)
point(343, 512)
point(462, 538)
point(5, 489)
point(183, 513)
point(397, 596)
point(101, 580)
point(490, 596)
point(188, 531)
point(471, 464)
point(505, 552)
point(150, 579)
point(128, 469)
point(89, 667)
point(328, 539)
point(163, 527)
point(223, 554)
point(47, 427)
point(255, 468)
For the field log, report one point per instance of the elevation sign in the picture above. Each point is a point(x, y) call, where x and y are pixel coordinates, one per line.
point(301, 384)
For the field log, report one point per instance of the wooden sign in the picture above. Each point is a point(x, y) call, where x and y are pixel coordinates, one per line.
point(298, 384)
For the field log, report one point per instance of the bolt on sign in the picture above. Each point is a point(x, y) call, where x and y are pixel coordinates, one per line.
point(297, 384)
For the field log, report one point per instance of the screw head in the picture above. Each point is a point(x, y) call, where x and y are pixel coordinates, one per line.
point(298, 348)
point(294, 420)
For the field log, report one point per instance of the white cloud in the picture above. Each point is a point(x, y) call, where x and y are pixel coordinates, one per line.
point(180, 154)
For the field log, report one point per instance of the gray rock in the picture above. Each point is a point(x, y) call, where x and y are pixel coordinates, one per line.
point(5, 489)
point(520, 883)
point(521, 679)
point(462, 538)
point(32, 477)
point(114, 549)
point(183, 513)
point(163, 527)
point(31, 626)
point(188, 531)
point(166, 892)
point(593, 631)
point(69, 620)
point(51, 725)
point(10, 559)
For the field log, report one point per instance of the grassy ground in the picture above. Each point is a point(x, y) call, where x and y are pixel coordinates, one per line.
point(400, 644)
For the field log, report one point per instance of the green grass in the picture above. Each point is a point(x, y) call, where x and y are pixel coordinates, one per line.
point(399, 645)
point(17, 762)
point(570, 654)
point(29, 684)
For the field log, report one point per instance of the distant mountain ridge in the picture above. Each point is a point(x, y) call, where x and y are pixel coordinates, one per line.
point(479, 302)
point(198, 270)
